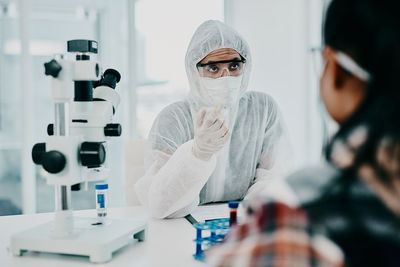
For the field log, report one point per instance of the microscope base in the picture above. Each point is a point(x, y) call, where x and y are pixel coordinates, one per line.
point(96, 241)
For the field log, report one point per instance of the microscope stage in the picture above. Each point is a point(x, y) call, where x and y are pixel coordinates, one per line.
point(89, 238)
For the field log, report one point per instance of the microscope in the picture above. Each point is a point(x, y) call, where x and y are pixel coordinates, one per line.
point(74, 154)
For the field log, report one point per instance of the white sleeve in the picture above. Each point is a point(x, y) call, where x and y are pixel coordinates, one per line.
point(273, 165)
point(275, 160)
point(171, 186)
point(269, 182)
point(272, 189)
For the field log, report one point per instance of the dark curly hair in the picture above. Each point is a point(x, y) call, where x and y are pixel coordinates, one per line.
point(369, 32)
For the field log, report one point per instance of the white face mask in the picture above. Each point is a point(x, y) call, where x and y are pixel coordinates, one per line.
point(224, 90)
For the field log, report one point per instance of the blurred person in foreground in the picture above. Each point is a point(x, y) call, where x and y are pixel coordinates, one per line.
point(345, 211)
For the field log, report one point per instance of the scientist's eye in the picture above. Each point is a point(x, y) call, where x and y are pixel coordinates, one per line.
point(234, 66)
point(212, 68)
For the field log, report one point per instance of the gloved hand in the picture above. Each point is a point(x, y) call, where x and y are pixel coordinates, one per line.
point(210, 133)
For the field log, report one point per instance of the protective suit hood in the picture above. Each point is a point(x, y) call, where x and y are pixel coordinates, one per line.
point(210, 36)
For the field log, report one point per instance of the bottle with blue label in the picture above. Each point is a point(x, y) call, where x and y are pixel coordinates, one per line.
point(101, 200)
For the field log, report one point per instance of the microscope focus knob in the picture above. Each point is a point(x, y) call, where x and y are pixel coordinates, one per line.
point(92, 154)
point(50, 129)
point(54, 161)
point(52, 68)
point(113, 129)
point(38, 151)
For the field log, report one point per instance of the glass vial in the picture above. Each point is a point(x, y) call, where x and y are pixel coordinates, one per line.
point(233, 206)
point(101, 200)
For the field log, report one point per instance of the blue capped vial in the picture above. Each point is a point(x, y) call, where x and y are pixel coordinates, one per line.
point(101, 200)
point(233, 206)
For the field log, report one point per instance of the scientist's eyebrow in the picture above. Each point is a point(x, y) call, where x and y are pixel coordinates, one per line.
point(236, 59)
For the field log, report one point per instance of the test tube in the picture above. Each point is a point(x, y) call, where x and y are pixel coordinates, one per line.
point(101, 200)
point(233, 205)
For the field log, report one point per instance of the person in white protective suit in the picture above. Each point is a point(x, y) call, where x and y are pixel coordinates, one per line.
point(220, 144)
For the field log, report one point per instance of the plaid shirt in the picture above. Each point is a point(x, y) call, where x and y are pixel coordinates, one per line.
point(276, 235)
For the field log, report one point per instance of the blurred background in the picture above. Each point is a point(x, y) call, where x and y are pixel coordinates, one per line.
point(146, 41)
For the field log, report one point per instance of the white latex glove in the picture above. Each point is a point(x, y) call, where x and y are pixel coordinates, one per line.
point(210, 133)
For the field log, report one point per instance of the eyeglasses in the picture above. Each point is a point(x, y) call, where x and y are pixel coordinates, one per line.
point(318, 62)
point(215, 69)
point(344, 60)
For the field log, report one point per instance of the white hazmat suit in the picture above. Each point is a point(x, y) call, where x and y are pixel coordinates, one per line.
point(257, 150)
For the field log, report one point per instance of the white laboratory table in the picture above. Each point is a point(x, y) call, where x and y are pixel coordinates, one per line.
point(168, 243)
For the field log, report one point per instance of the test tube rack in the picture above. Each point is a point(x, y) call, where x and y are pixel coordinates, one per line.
point(217, 230)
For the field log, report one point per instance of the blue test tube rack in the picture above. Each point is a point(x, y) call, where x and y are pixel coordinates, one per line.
point(218, 229)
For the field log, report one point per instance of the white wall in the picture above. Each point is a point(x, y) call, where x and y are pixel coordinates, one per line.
point(278, 32)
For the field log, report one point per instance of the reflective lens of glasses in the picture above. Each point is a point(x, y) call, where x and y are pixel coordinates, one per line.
point(217, 69)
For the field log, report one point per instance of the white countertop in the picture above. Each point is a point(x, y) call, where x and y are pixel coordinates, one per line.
point(168, 243)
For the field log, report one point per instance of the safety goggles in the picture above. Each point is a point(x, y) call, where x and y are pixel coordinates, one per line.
point(344, 60)
point(216, 69)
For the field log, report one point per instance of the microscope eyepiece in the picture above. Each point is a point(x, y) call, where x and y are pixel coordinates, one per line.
point(110, 78)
